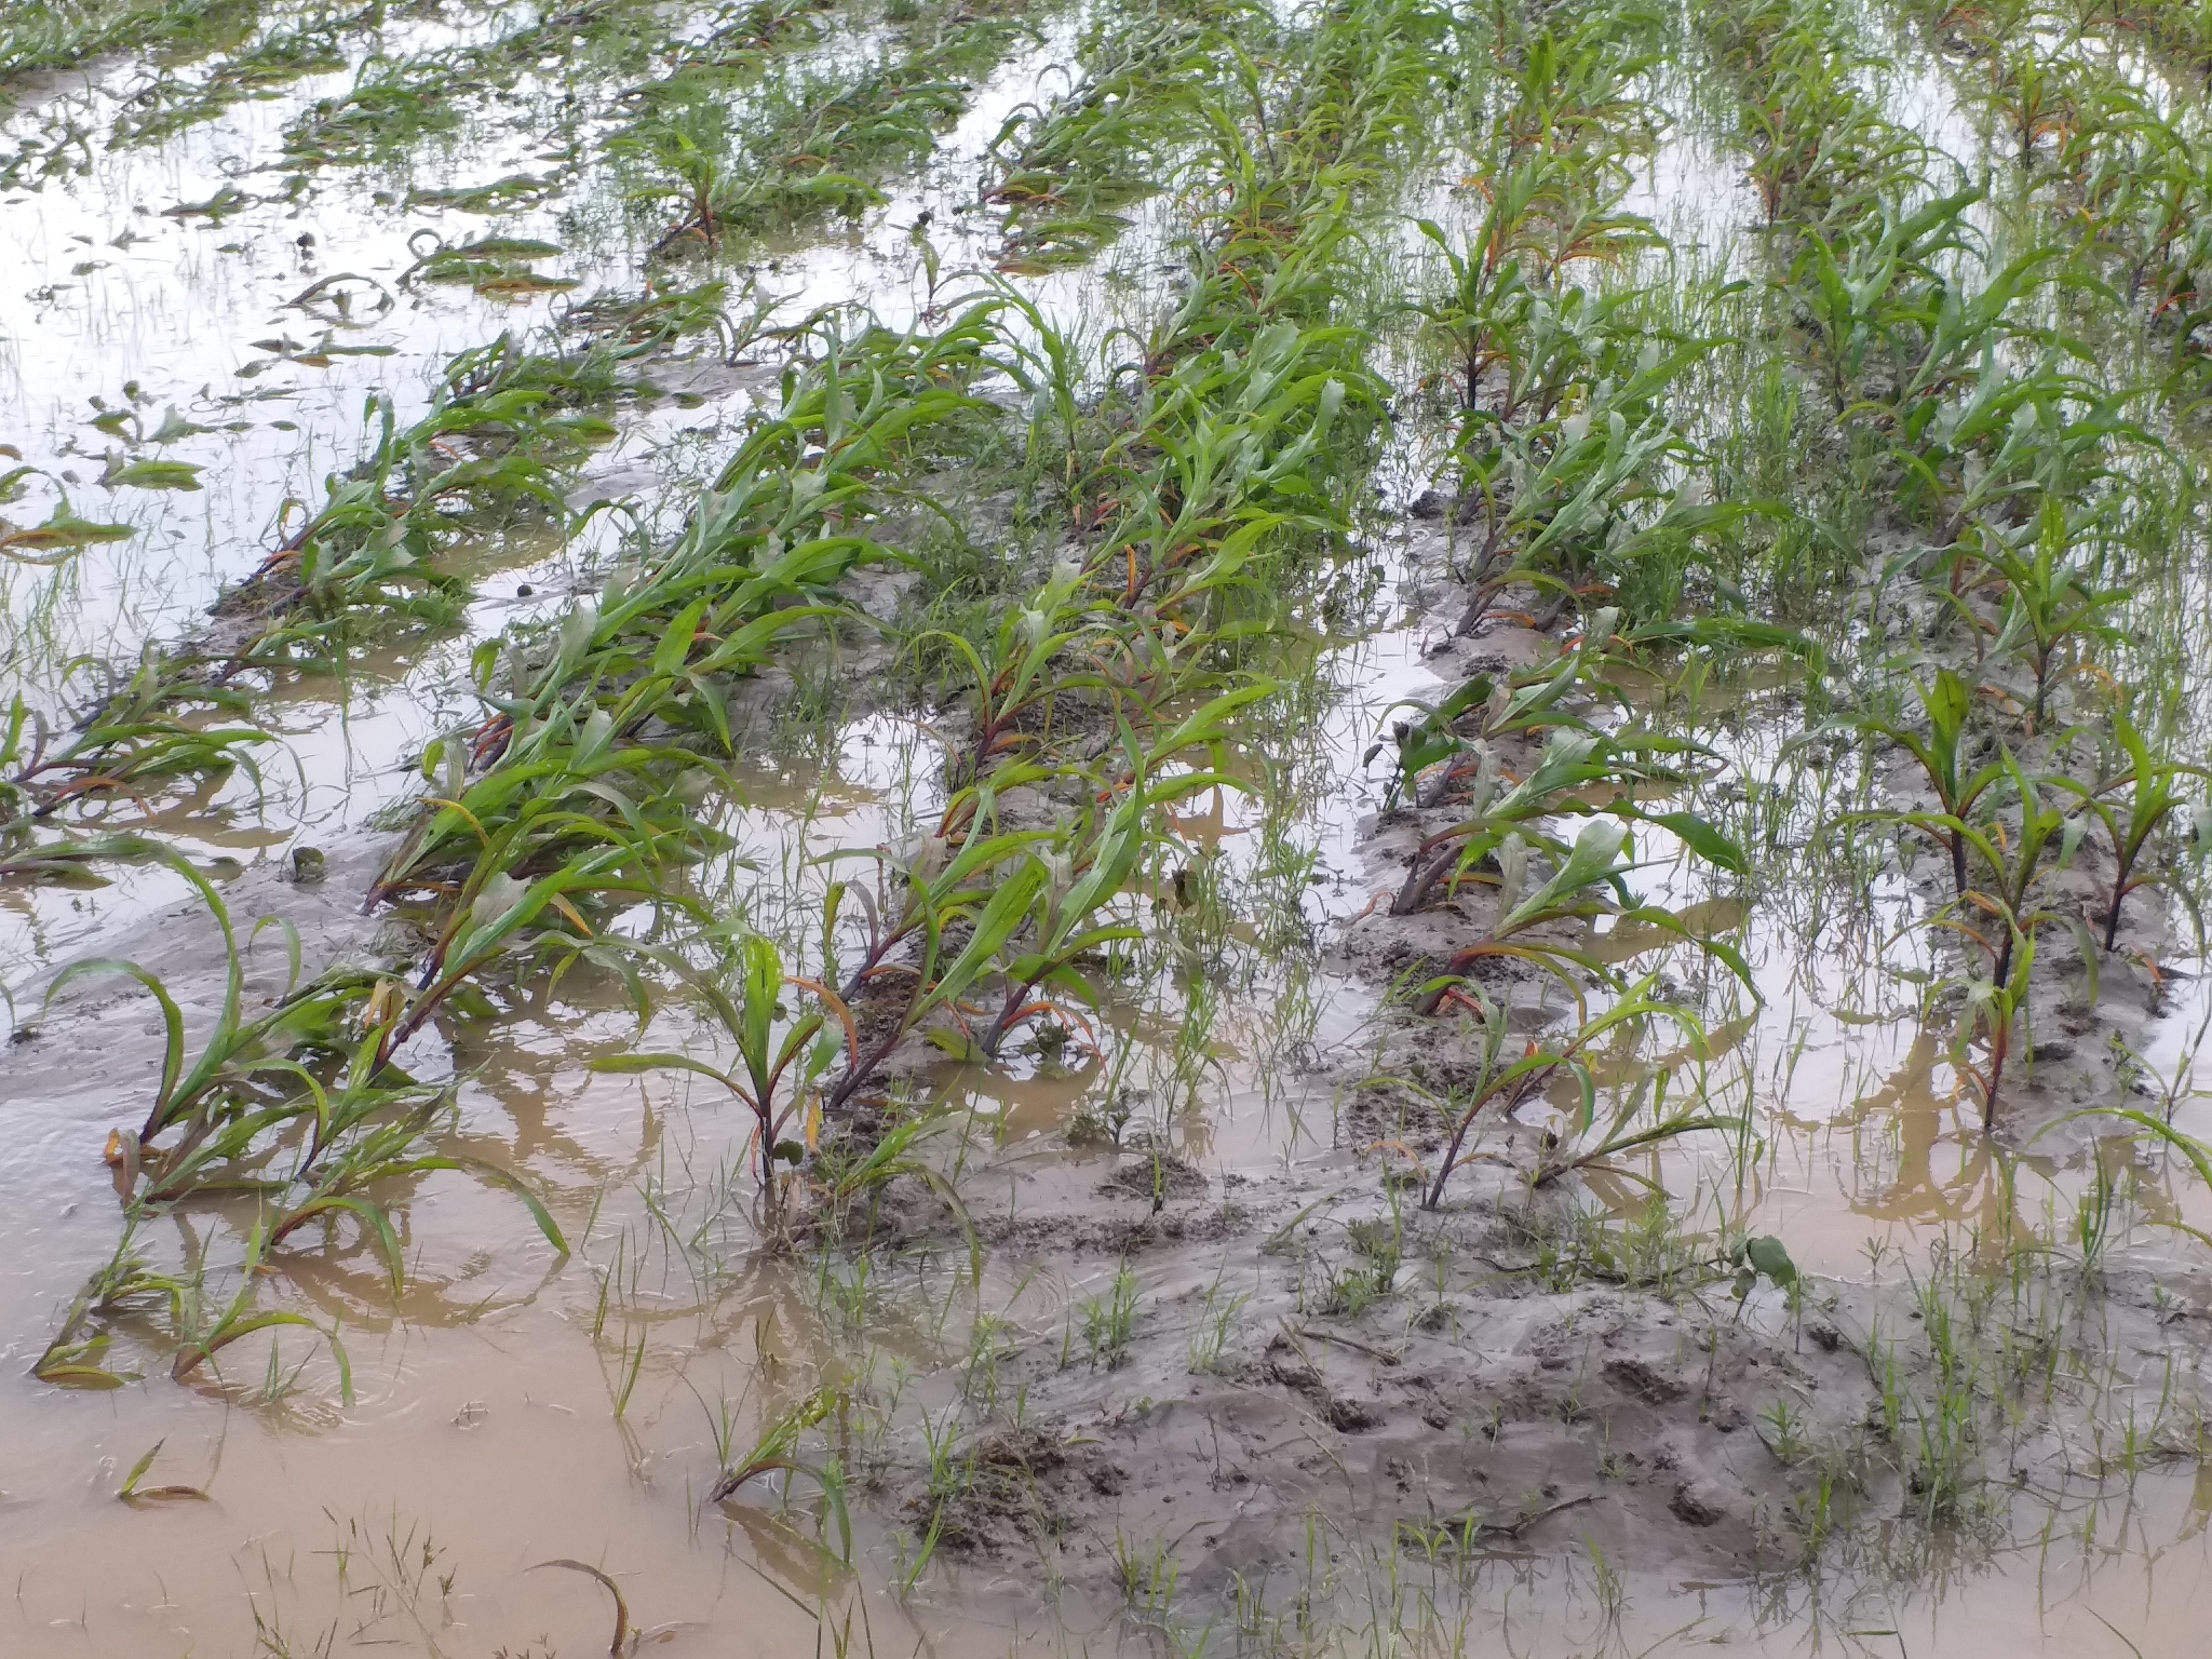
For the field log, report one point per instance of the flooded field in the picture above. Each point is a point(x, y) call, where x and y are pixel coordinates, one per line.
point(1188, 828)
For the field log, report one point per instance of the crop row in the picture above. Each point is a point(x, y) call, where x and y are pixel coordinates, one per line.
point(571, 812)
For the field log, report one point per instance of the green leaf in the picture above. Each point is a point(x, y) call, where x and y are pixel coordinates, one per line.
point(153, 475)
point(64, 530)
point(1703, 839)
point(957, 1043)
point(138, 1470)
point(175, 427)
point(1767, 1256)
point(1595, 855)
point(1001, 919)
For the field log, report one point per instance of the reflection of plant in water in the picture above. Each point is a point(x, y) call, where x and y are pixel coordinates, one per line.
point(207, 1331)
point(125, 1287)
point(1642, 1118)
point(76, 1357)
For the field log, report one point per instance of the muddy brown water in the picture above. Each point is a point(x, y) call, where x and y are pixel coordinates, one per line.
point(517, 1410)
point(484, 1440)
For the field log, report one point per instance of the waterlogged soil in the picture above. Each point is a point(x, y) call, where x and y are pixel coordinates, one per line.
point(1168, 1352)
point(1569, 1436)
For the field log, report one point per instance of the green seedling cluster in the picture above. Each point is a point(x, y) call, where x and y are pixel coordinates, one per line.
point(1068, 168)
point(802, 148)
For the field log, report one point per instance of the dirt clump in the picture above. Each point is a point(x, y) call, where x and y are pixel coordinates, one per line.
point(1158, 1177)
